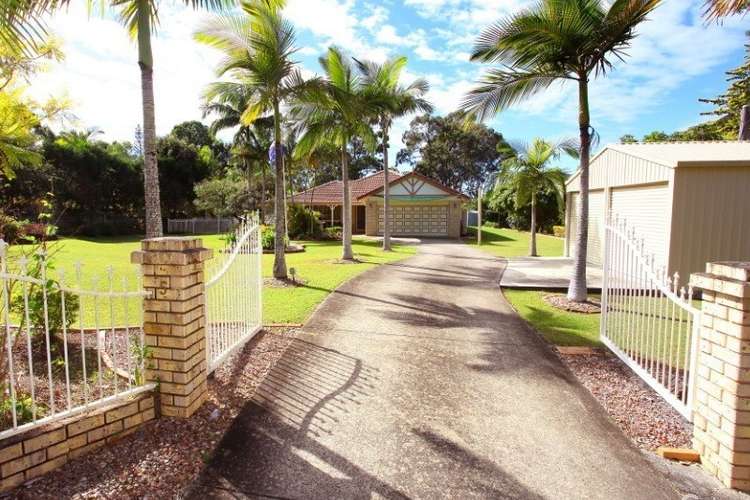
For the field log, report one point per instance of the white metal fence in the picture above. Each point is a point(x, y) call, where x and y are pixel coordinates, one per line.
point(200, 226)
point(70, 344)
point(233, 293)
point(648, 319)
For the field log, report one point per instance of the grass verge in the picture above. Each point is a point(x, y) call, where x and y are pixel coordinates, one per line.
point(505, 242)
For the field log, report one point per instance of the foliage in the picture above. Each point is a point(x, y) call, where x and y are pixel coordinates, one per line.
point(268, 238)
point(221, 196)
point(714, 10)
point(703, 132)
point(141, 354)
point(17, 121)
point(457, 154)
point(24, 409)
point(332, 233)
point(508, 213)
point(558, 231)
point(11, 229)
point(304, 223)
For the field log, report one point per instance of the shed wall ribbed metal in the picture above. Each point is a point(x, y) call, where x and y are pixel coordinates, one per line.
point(614, 168)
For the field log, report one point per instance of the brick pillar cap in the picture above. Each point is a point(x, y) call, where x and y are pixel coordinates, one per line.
point(171, 243)
point(730, 269)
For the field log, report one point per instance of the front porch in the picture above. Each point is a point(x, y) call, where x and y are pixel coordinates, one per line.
point(331, 216)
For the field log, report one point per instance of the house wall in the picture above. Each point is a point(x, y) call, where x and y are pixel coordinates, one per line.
point(710, 217)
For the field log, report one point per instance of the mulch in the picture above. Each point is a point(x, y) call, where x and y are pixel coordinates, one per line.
point(641, 414)
point(591, 306)
point(165, 455)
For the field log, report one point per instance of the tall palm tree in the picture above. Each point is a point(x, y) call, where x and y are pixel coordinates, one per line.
point(392, 100)
point(250, 143)
point(331, 114)
point(716, 9)
point(258, 46)
point(21, 25)
point(529, 173)
point(556, 41)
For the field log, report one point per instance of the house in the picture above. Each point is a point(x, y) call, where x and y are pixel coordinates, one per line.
point(689, 201)
point(419, 205)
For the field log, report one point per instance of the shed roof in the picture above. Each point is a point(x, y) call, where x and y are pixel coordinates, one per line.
point(682, 154)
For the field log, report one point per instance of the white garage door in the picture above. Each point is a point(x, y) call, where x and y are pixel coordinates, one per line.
point(416, 220)
point(645, 209)
point(595, 245)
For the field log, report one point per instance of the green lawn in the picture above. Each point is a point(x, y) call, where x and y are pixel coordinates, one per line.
point(557, 326)
point(316, 266)
point(511, 243)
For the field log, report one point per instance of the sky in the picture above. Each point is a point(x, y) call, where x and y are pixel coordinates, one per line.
point(675, 60)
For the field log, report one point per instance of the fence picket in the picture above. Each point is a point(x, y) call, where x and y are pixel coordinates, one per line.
point(648, 319)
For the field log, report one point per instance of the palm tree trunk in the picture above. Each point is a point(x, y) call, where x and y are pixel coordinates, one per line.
point(346, 209)
point(532, 243)
point(263, 191)
point(577, 288)
point(152, 197)
point(279, 247)
point(386, 195)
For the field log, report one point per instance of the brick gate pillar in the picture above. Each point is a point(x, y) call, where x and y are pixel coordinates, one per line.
point(721, 409)
point(174, 321)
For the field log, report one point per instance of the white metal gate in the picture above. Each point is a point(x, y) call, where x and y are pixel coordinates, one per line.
point(648, 319)
point(233, 293)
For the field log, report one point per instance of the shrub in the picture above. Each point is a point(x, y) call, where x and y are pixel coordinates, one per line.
point(304, 223)
point(491, 224)
point(268, 237)
point(558, 231)
point(11, 229)
point(332, 233)
point(39, 231)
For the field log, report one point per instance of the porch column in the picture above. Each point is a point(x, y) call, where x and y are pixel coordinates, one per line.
point(721, 403)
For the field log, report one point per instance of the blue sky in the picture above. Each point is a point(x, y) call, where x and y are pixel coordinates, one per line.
point(675, 60)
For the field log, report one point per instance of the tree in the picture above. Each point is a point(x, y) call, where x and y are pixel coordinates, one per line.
point(20, 21)
point(392, 101)
point(332, 114)
point(220, 196)
point(529, 174)
point(556, 41)
point(714, 10)
point(628, 139)
point(458, 154)
point(17, 121)
point(258, 47)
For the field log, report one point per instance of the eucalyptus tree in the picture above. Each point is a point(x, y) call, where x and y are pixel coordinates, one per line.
point(250, 143)
point(392, 100)
point(332, 114)
point(529, 173)
point(556, 41)
point(21, 24)
point(258, 46)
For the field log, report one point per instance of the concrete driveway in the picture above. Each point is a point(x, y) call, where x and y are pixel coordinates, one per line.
point(417, 380)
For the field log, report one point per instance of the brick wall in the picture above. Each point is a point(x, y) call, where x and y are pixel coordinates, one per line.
point(43, 449)
point(721, 408)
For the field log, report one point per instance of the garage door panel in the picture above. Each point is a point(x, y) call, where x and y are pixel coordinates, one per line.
point(645, 209)
point(416, 220)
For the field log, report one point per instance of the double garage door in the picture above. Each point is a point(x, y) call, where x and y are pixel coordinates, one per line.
point(416, 220)
point(643, 207)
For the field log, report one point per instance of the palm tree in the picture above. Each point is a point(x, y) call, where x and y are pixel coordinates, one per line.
point(258, 47)
point(331, 114)
point(529, 173)
point(250, 143)
point(21, 25)
point(716, 9)
point(393, 100)
point(556, 41)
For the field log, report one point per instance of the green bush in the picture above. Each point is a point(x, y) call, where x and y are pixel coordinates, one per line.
point(332, 233)
point(11, 229)
point(304, 223)
point(268, 237)
point(558, 231)
point(491, 224)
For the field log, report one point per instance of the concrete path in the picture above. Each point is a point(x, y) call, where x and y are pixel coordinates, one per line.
point(546, 272)
point(417, 380)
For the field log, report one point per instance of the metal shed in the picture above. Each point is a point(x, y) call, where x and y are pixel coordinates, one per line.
point(689, 201)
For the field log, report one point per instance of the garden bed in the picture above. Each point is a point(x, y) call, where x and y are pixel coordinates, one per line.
point(164, 456)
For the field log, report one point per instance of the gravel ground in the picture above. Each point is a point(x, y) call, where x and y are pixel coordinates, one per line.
point(165, 455)
point(643, 415)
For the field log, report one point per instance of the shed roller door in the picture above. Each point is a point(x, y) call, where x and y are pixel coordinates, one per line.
point(416, 220)
point(595, 246)
point(645, 209)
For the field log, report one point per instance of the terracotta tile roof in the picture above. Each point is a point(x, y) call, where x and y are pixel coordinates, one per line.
point(333, 192)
